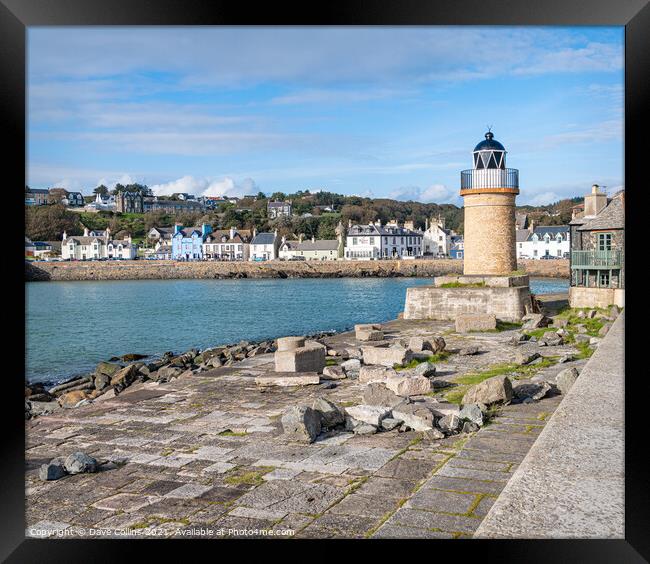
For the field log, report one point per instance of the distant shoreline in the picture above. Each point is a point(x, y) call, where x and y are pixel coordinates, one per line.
point(171, 270)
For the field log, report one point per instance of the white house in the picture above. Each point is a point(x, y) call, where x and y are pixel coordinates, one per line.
point(436, 240)
point(552, 240)
point(264, 246)
point(227, 245)
point(374, 241)
point(90, 247)
point(311, 249)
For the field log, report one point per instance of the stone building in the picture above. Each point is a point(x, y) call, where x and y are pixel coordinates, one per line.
point(489, 190)
point(129, 202)
point(597, 251)
point(278, 209)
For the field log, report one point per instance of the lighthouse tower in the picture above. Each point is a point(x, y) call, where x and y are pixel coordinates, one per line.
point(489, 191)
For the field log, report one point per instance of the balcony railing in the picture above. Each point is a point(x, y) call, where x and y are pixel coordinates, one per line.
point(489, 178)
point(596, 259)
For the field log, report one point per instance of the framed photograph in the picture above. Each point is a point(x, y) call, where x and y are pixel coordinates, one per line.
point(356, 273)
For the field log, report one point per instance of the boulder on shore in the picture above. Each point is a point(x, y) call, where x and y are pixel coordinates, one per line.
point(301, 423)
point(566, 378)
point(330, 414)
point(71, 399)
point(79, 462)
point(497, 389)
point(53, 470)
point(124, 378)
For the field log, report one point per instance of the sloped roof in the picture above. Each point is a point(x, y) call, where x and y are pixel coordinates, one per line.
point(521, 235)
point(263, 239)
point(319, 245)
point(611, 217)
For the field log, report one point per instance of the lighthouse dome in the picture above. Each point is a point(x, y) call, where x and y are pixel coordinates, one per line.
point(490, 144)
point(489, 153)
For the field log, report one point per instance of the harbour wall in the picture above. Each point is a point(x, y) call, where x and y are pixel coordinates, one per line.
point(171, 270)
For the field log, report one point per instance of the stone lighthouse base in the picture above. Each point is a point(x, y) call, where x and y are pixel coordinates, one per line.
point(506, 297)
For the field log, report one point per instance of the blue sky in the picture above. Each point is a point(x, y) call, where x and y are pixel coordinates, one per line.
point(381, 112)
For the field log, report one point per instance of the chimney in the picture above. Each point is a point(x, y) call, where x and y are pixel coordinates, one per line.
point(205, 229)
point(284, 239)
point(313, 239)
point(177, 228)
point(301, 236)
point(595, 202)
point(108, 233)
point(349, 223)
point(128, 238)
point(426, 224)
point(85, 232)
point(65, 236)
point(232, 232)
point(275, 232)
point(254, 232)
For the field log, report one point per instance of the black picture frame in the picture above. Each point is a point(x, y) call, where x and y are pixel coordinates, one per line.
point(17, 15)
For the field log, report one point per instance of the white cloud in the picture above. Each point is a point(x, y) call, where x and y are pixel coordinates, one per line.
point(225, 186)
point(436, 193)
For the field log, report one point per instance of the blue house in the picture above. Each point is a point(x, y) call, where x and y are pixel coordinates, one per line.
point(187, 243)
point(456, 251)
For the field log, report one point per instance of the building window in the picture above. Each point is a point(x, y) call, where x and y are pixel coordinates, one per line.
point(604, 241)
point(603, 279)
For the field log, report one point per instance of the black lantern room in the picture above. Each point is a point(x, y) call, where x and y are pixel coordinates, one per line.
point(489, 153)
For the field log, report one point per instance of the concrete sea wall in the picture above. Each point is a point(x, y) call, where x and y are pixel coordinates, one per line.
point(163, 270)
point(572, 482)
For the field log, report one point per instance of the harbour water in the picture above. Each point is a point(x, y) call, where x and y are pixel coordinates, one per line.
point(71, 326)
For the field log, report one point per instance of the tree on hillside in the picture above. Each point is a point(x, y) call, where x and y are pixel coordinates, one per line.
point(47, 223)
point(102, 190)
point(278, 196)
point(261, 196)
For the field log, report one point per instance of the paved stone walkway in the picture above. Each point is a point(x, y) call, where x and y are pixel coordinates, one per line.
point(204, 455)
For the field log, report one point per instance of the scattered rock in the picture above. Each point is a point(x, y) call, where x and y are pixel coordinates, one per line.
point(551, 339)
point(364, 429)
point(531, 392)
point(434, 434)
point(53, 470)
point(535, 321)
point(370, 414)
point(369, 374)
point(522, 358)
point(130, 357)
point(450, 423)
point(333, 373)
point(331, 414)
point(604, 329)
point(376, 393)
point(71, 399)
point(124, 378)
point(166, 373)
point(565, 358)
point(594, 341)
point(369, 335)
point(406, 386)
point(414, 416)
point(351, 367)
point(566, 378)
point(418, 344)
point(390, 423)
point(438, 345)
point(560, 322)
point(387, 356)
point(472, 412)
point(468, 351)
point(497, 389)
point(79, 462)
point(107, 368)
point(581, 338)
point(470, 427)
point(518, 338)
point(301, 423)
point(614, 311)
point(425, 369)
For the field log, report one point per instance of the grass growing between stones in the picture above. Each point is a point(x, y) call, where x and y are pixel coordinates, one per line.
point(438, 357)
point(249, 478)
point(229, 433)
